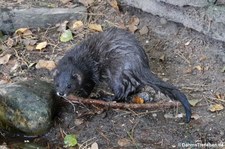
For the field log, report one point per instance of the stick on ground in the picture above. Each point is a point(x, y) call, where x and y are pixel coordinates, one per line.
point(119, 105)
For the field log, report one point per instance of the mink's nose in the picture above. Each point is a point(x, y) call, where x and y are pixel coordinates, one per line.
point(61, 94)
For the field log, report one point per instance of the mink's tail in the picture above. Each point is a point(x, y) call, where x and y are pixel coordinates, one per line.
point(169, 90)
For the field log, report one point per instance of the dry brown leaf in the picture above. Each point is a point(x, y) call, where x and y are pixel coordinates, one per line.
point(195, 116)
point(4, 81)
point(41, 45)
point(138, 100)
point(50, 65)
point(124, 142)
point(27, 33)
point(29, 42)
point(94, 146)
point(114, 4)
point(5, 59)
point(132, 28)
point(86, 2)
point(65, 1)
point(162, 58)
point(216, 107)
point(198, 68)
point(62, 26)
point(78, 121)
point(96, 27)
point(24, 32)
point(21, 30)
point(194, 102)
point(133, 23)
point(187, 43)
point(77, 25)
point(10, 42)
point(30, 47)
point(143, 30)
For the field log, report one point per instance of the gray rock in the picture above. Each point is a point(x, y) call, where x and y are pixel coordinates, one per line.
point(195, 3)
point(26, 107)
point(10, 20)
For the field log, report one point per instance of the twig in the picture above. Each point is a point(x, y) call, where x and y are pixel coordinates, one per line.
point(111, 104)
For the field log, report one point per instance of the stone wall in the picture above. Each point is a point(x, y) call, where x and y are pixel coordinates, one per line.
point(205, 16)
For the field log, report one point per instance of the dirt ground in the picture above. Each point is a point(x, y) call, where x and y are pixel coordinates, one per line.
point(191, 61)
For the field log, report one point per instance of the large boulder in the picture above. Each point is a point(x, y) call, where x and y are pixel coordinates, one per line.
point(27, 107)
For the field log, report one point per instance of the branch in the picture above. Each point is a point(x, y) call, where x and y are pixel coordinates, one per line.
point(119, 105)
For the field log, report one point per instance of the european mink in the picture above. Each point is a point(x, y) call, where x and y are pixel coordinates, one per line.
point(116, 58)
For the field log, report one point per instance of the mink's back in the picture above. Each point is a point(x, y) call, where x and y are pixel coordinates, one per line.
point(110, 50)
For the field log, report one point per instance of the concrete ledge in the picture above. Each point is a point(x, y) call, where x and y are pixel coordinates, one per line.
point(208, 19)
point(10, 20)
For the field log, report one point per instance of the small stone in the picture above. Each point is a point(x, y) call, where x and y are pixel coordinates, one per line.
point(163, 21)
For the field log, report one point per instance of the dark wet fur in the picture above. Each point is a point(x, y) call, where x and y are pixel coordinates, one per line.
point(114, 57)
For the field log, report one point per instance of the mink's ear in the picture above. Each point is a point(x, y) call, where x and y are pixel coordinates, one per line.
point(77, 77)
point(55, 72)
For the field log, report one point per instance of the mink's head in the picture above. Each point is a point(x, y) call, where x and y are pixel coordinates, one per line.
point(67, 79)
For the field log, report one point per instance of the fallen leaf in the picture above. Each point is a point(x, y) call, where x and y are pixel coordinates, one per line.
point(29, 42)
point(132, 28)
point(41, 45)
point(65, 1)
point(27, 33)
point(168, 115)
point(3, 82)
point(134, 21)
point(194, 102)
point(30, 47)
point(162, 58)
point(70, 141)
point(66, 36)
point(143, 30)
point(62, 26)
point(16, 65)
point(124, 142)
point(187, 43)
point(138, 100)
point(5, 59)
point(77, 25)
point(114, 4)
point(94, 146)
point(96, 27)
point(78, 121)
point(21, 30)
point(195, 116)
point(216, 107)
point(180, 115)
point(50, 65)
point(10, 42)
point(86, 2)
point(198, 68)
point(223, 69)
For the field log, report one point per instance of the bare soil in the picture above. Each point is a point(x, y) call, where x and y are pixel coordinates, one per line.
point(186, 58)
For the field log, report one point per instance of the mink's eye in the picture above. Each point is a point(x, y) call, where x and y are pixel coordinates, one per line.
point(57, 85)
point(69, 86)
